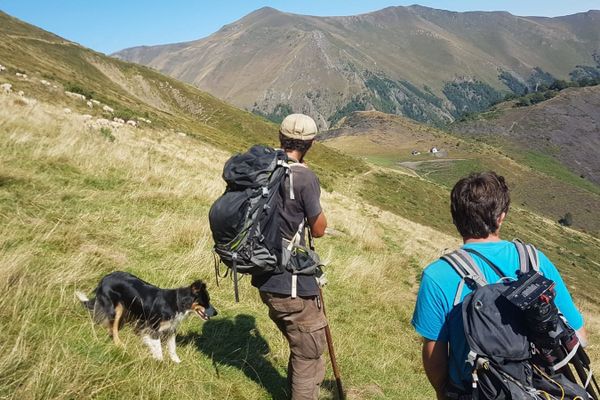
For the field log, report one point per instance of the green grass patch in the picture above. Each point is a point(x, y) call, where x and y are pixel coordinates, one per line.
point(410, 197)
point(447, 173)
point(548, 165)
point(107, 134)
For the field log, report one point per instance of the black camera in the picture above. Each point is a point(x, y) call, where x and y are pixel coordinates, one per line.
point(534, 295)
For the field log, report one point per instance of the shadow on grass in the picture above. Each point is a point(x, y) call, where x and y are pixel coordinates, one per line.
point(238, 343)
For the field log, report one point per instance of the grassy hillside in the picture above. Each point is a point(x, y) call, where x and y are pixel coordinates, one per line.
point(78, 200)
point(135, 91)
point(539, 183)
point(75, 206)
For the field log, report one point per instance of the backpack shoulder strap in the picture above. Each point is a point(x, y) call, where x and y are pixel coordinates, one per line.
point(289, 164)
point(468, 270)
point(528, 257)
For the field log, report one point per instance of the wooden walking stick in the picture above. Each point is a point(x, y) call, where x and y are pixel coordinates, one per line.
point(334, 365)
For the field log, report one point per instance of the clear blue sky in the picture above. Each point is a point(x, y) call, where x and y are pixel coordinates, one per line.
point(111, 25)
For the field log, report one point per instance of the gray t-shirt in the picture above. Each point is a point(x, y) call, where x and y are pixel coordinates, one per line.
point(306, 204)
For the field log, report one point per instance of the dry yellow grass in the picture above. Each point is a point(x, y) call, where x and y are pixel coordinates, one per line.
point(137, 204)
point(74, 206)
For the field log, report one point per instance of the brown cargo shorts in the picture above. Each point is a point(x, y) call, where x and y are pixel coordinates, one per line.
point(302, 322)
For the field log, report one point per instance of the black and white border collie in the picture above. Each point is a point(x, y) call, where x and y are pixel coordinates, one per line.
point(154, 312)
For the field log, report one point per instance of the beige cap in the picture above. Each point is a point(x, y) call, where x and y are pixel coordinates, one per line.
point(298, 126)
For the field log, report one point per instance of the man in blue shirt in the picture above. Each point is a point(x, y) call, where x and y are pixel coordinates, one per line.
point(479, 204)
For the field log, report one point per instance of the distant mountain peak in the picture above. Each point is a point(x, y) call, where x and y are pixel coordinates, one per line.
point(401, 60)
point(267, 9)
point(264, 12)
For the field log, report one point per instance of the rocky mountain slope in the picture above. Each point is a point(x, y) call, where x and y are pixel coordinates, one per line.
point(566, 127)
point(430, 65)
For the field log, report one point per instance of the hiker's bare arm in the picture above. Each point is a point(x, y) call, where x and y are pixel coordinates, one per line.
point(318, 225)
point(435, 362)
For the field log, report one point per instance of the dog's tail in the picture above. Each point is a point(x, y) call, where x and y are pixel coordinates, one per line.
point(85, 301)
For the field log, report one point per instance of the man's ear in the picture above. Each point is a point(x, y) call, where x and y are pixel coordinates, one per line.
point(501, 218)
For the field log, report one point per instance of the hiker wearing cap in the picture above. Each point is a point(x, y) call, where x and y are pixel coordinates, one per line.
point(479, 205)
point(293, 300)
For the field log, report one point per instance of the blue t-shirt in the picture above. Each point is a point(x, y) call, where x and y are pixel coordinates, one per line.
point(439, 284)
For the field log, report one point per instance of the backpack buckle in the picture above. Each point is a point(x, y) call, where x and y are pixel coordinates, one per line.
point(471, 358)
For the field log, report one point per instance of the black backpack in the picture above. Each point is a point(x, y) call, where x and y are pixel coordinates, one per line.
point(500, 353)
point(245, 220)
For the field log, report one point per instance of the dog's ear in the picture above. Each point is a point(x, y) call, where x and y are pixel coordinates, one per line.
point(197, 287)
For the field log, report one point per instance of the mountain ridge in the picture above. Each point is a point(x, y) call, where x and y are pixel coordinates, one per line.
point(389, 60)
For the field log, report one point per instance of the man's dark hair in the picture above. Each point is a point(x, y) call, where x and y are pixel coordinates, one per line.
point(288, 144)
point(476, 203)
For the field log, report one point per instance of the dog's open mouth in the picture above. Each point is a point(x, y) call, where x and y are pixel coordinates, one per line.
point(201, 314)
point(204, 313)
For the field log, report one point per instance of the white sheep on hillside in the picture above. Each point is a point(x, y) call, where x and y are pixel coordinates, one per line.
point(132, 123)
point(90, 104)
point(44, 82)
point(116, 124)
point(75, 96)
point(20, 75)
point(95, 102)
point(21, 93)
point(6, 88)
point(86, 117)
point(67, 110)
point(108, 109)
point(119, 120)
point(101, 122)
point(2, 68)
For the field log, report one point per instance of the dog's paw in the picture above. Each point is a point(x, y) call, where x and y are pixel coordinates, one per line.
point(175, 359)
